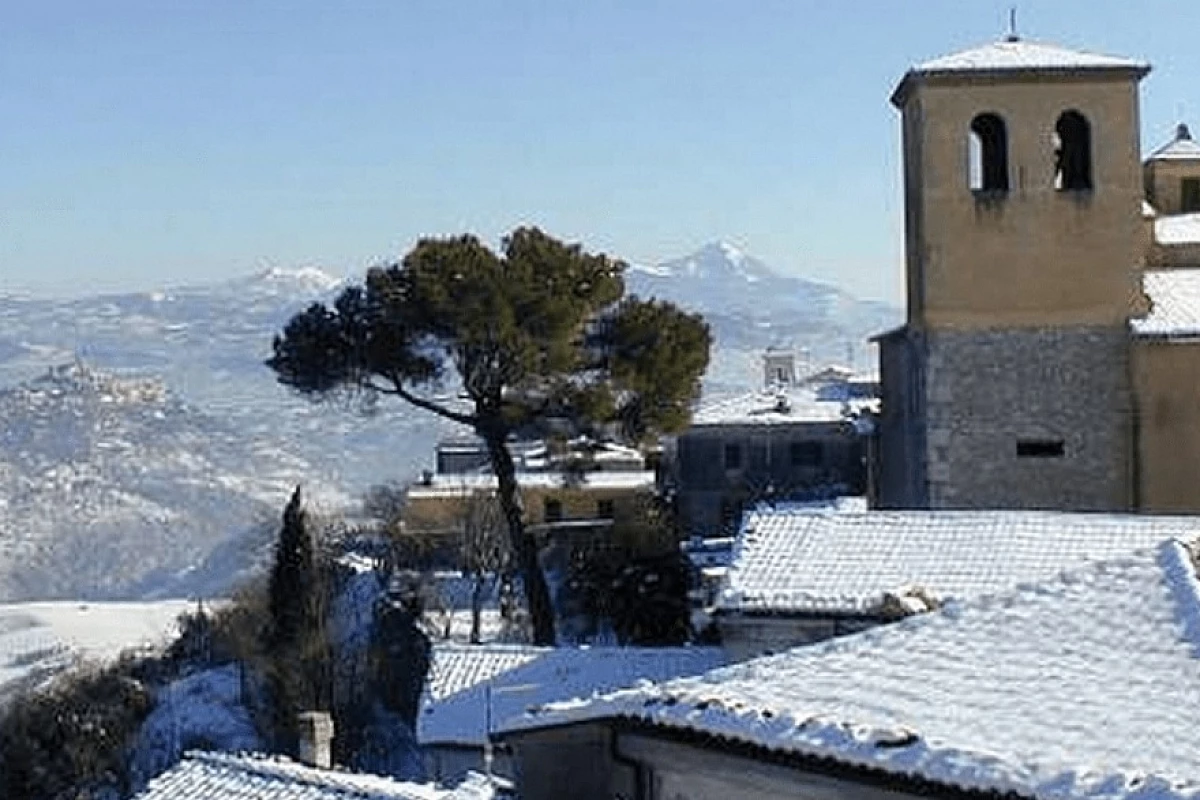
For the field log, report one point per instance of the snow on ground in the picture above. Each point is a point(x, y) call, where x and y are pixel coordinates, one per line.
point(39, 639)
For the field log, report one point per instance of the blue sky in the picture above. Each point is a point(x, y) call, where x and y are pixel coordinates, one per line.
point(147, 144)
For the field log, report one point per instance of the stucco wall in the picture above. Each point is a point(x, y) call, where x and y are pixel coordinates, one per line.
point(573, 762)
point(1167, 377)
point(436, 513)
point(1035, 256)
point(900, 474)
point(988, 390)
point(746, 636)
point(448, 765)
point(1164, 183)
point(676, 771)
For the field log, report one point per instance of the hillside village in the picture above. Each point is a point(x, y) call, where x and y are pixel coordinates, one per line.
point(967, 572)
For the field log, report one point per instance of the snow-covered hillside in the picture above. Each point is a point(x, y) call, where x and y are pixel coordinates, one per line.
point(38, 640)
point(111, 487)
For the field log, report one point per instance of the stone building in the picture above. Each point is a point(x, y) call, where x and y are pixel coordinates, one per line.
point(1032, 370)
point(800, 436)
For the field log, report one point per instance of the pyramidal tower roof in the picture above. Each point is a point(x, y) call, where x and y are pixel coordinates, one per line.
point(1182, 148)
point(1014, 54)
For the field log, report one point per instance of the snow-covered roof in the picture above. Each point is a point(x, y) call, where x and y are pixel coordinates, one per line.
point(797, 404)
point(1081, 687)
point(794, 561)
point(1175, 298)
point(1018, 55)
point(453, 485)
point(1022, 54)
point(1181, 148)
point(219, 776)
point(1177, 229)
point(464, 680)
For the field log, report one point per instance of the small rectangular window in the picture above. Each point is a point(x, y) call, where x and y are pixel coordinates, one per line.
point(605, 509)
point(1189, 195)
point(733, 456)
point(806, 454)
point(552, 510)
point(1040, 448)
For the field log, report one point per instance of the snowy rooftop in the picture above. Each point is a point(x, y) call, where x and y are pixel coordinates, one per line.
point(1018, 55)
point(1175, 298)
point(1082, 687)
point(1177, 229)
point(798, 404)
point(453, 485)
point(455, 707)
point(1181, 148)
point(218, 776)
point(790, 560)
point(1021, 54)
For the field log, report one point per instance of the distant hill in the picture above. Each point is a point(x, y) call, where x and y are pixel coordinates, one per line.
point(138, 467)
point(751, 307)
point(113, 488)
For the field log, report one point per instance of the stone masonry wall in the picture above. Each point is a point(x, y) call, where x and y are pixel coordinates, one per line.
point(987, 390)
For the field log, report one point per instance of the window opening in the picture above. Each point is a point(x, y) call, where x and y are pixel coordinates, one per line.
point(1072, 152)
point(733, 456)
point(552, 510)
point(988, 150)
point(806, 454)
point(605, 509)
point(1040, 448)
point(1189, 199)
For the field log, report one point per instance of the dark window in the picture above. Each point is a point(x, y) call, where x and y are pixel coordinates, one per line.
point(1040, 448)
point(733, 456)
point(552, 509)
point(989, 154)
point(806, 454)
point(1189, 195)
point(1073, 154)
point(605, 509)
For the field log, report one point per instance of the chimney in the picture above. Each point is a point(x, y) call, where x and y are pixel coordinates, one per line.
point(316, 738)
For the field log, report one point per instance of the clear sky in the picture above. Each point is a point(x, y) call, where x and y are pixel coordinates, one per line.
point(161, 142)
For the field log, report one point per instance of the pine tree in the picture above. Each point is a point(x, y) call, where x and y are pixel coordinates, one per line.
point(540, 332)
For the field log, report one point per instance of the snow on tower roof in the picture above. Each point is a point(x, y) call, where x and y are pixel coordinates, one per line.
point(1175, 298)
point(1017, 55)
point(789, 561)
point(1083, 687)
point(219, 776)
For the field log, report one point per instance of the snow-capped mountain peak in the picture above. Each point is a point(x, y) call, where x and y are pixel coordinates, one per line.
point(305, 279)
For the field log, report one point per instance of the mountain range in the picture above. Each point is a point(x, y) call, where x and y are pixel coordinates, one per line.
point(144, 440)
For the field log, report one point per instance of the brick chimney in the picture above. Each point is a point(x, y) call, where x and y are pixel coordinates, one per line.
point(316, 738)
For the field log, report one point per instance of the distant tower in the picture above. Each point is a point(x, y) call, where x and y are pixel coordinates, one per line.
point(1008, 386)
point(779, 368)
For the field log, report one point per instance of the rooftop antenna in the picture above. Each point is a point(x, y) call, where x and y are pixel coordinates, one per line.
point(1012, 36)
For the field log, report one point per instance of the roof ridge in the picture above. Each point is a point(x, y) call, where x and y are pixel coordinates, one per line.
point(1178, 562)
point(283, 768)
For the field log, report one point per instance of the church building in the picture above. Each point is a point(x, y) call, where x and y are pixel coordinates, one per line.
point(1050, 356)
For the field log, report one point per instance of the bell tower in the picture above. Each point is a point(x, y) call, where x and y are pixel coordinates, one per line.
point(1008, 387)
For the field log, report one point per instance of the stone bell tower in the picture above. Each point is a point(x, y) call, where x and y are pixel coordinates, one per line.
point(1008, 386)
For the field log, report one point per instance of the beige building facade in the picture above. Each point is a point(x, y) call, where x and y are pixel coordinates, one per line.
point(1021, 378)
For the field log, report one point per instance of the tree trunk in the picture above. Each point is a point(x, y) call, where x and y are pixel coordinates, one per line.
point(537, 593)
point(477, 608)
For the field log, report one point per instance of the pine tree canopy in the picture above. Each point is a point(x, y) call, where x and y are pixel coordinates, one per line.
point(539, 333)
